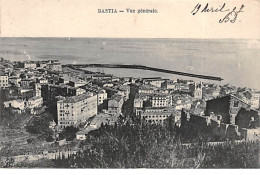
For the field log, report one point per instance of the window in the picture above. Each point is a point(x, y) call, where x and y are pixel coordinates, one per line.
point(236, 103)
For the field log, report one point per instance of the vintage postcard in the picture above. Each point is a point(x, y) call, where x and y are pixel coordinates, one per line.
point(154, 84)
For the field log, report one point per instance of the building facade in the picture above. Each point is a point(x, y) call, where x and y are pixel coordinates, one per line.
point(159, 115)
point(35, 102)
point(54, 67)
point(4, 81)
point(30, 65)
point(115, 105)
point(76, 109)
point(161, 100)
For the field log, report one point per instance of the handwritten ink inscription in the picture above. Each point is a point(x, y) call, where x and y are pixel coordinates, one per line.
point(231, 15)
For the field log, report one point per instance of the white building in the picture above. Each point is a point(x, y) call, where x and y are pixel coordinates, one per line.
point(38, 91)
point(161, 100)
point(17, 104)
point(42, 81)
point(81, 135)
point(156, 81)
point(4, 81)
point(183, 105)
point(35, 102)
point(30, 65)
point(138, 103)
point(146, 89)
point(254, 101)
point(102, 95)
point(76, 109)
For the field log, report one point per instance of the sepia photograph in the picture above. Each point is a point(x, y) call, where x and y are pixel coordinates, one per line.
point(106, 102)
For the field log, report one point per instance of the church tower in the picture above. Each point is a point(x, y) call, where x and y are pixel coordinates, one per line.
point(198, 91)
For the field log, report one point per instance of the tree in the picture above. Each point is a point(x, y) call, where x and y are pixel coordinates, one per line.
point(40, 126)
point(69, 133)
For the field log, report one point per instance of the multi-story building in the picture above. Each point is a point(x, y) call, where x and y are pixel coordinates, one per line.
point(35, 102)
point(42, 64)
point(73, 110)
point(101, 93)
point(188, 82)
point(159, 115)
point(54, 67)
point(255, 100)
point(183, 105)
point(138, 103)
point(161, 100)
point(30, 65)
point(75, 91)
point(77, 82)
point(169, 85)
point(37, 89)
point(125, 89)
point(156, 81)
point(25, 83)
point(102, 96)
point(115, 104)
point(42, 80)
point(3, 81)
point(50, 92)
point(146, 89)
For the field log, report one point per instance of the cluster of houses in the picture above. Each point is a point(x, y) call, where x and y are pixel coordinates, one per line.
point(23, 81)
point(78, 95)
point(157, 99)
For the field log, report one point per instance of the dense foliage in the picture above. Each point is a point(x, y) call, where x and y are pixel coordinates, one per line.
point(69, 133)
point(155, 146)
point(231, 155)
point(40, 126)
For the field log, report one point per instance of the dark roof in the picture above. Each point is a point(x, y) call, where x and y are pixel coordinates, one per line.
point(75, 99)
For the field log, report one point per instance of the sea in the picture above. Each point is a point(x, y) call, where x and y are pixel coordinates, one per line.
point(237, 61)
